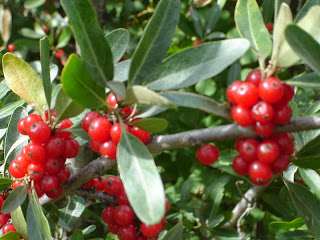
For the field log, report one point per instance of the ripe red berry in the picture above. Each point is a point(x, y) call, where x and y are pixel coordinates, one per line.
point(71, 148)
point(53, 114)
point(196, 43)
point(269, 26)
point(11, 47)
point(66, 123)
point(107, 214)
point(240, 166)
point(55, 193)
point(112, 100)
point(34, 152)
point(38, 189)
point(64, 174)
point(242, 116)
point(263, 130)
point(282, 114)
point(271, 90)
point(285, 142)
point(39, 132)
point(113, 185)
point(254, 77)
point(128, 111)
point(151, 231)
point(109, 150)
point(36, 171)
point(114, 228)
point(53, 165)
point(95, 146)
point(260, 173)
point(262, 112)
point(55, 146)
point(15, 170)
point(49, 182)
point(280, 164)
point(288, 94)
point(142, 135)
point(21, 127)
point(238, 142)
point(122, 199)
point(123, 215)
point(8, 228)
point(22, 162)
point(4, 218)
point(248, 150)
point(127, 233)
point(207, 154)
point(88, 118)
point(268, 151)
point(115, 132)
point(231, 90)
point(99, 130)
point(31, 119)
point(16, 184)
point(247, 94)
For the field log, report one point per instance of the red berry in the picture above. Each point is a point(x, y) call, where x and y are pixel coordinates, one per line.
point(280, 164)
point(71, 148)
point(55, 193)
point(231, 90)
point(36, 171)
point(248, 150)
point(112, 100)
point(240, 166)
point(64, 174)
point(127, 233)
point(59, 53)
point(22, 162)
point(53, 114)
point(263, 130)
point(271, 90)
point(66, 123)
point(282, 114)
point(53, 165)
point(11, 47)
point(268, 151)
point(247, 94)
point(196, 43)
point(107, 215)
point(269, 26)
point(128, 111)
point(207, 154)
point(95, 146)
point(288, 94)
point(242, 116)
point(88, 118)
point(260, 173)
point(99, 130)
point(89, 184)
point(114, 185)
point(16, 184)
point(262, 112)
point(31, 119)
point(140, 134)
point(123, 215)
point(122, 199)
point(285, 142)
point(49, 183)
point(254, 77)
point(55, 146)
point(21, 127)
point(1, 202)
point(34, 152)
point(38, 189)
point(167, 204)
point(8, 228)
point(39, 132)
point(115, 132)
point(3, 219)
point(151, 231)
point(238, 143)
point(15, 170)
point(109, 149)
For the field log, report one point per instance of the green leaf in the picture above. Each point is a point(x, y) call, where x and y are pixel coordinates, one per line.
point(143, 95)
point(234, 73)
point(153, 125)
point(305, 46)
point(311, 179)
point(9, 108)
point(54, 69)
point(45, 68)
point(89, 229)
point(52, 214)
point(309, 23)
point(186, 26)
point(305, 9)
point(30, 33)
point(94, 47)
point(19, 222)
point(33, 222)
point(250, 25)
point(77, 235)
point(118, 40)
point(207, 87)
point(121, 71)
point(307, 206)
point(192, 100)
point(4, 183)
point(308, 80)
point(15, 199)
point(10, 236)
point(64, 37)
point(141, 179)
point(195, 64)
point(65, 107)
point(174, 233)
point(267, 9)
point(11, 150)
point(4, 89)
point(6, 27)
point(71, 213)
point(294, 224)
point(311, 162)
point(284, 18)
point(24, 81)
point(196, 22)
point(214, 15)
point(33, 3)
point(78, 84)
point(155, 41)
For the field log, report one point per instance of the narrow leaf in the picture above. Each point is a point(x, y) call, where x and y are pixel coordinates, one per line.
point(64, 37)
point(312, 180)
point(155, 41)
point(118, 40)
point(308, 80)
point(4, 89)
point(294, 224)
point(141, 179)
point(174, 233)
point(10, 236)
point(305, 46)
point(4, 183)
point(121, 71)
point(6, 25)
point(94, 47)
point(15, 199)
point(78, 84)
point(34, 231)
point(71, 213)
point(65, 107)
point(213, 16)
point(234, 73)
point(33, 3)
point(193, 65)
point(19, 222)
point(45, 68)
point(196, 22)
point(250, 25)
point(303, 11)
point(143, 95)
point(153, 125)
point(192, 100)
point(24, 81)
point(9, 108)
point(311, 162)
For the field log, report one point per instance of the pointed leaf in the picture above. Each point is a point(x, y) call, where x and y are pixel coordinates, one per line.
point(24, 81)
point(305, 46)
point(214, 15)
point(4, 89)
point(6, 25)
point(308, 80)
point(118, 40)
point(303, 11)
point(153, 125)
point(311, 162)
point(79, 86)
point(34, 231)
point(64, 37)
point(10, 236)
point(307, 205)
point(141, 179)
point(71, 213)
point(155, 41)
point(15, 199)
point(250, 25)
point(174, 233)
point(4, 183)
point(33, 3)
point(196, 22)
point(192, 100)
point(193, 65)
point(45, 68)
point(19, 222)
point(143, 95)
point(65, 107)
point(311, 179)
point(94, 47)
point(294, 224)
point(121, 71)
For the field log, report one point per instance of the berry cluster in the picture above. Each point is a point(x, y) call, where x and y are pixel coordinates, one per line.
point(5, 221)
point(260, 103)
point(105, 133)
point(262, 159)
point(207, 154)
point(43, 159)
point(121, 219)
